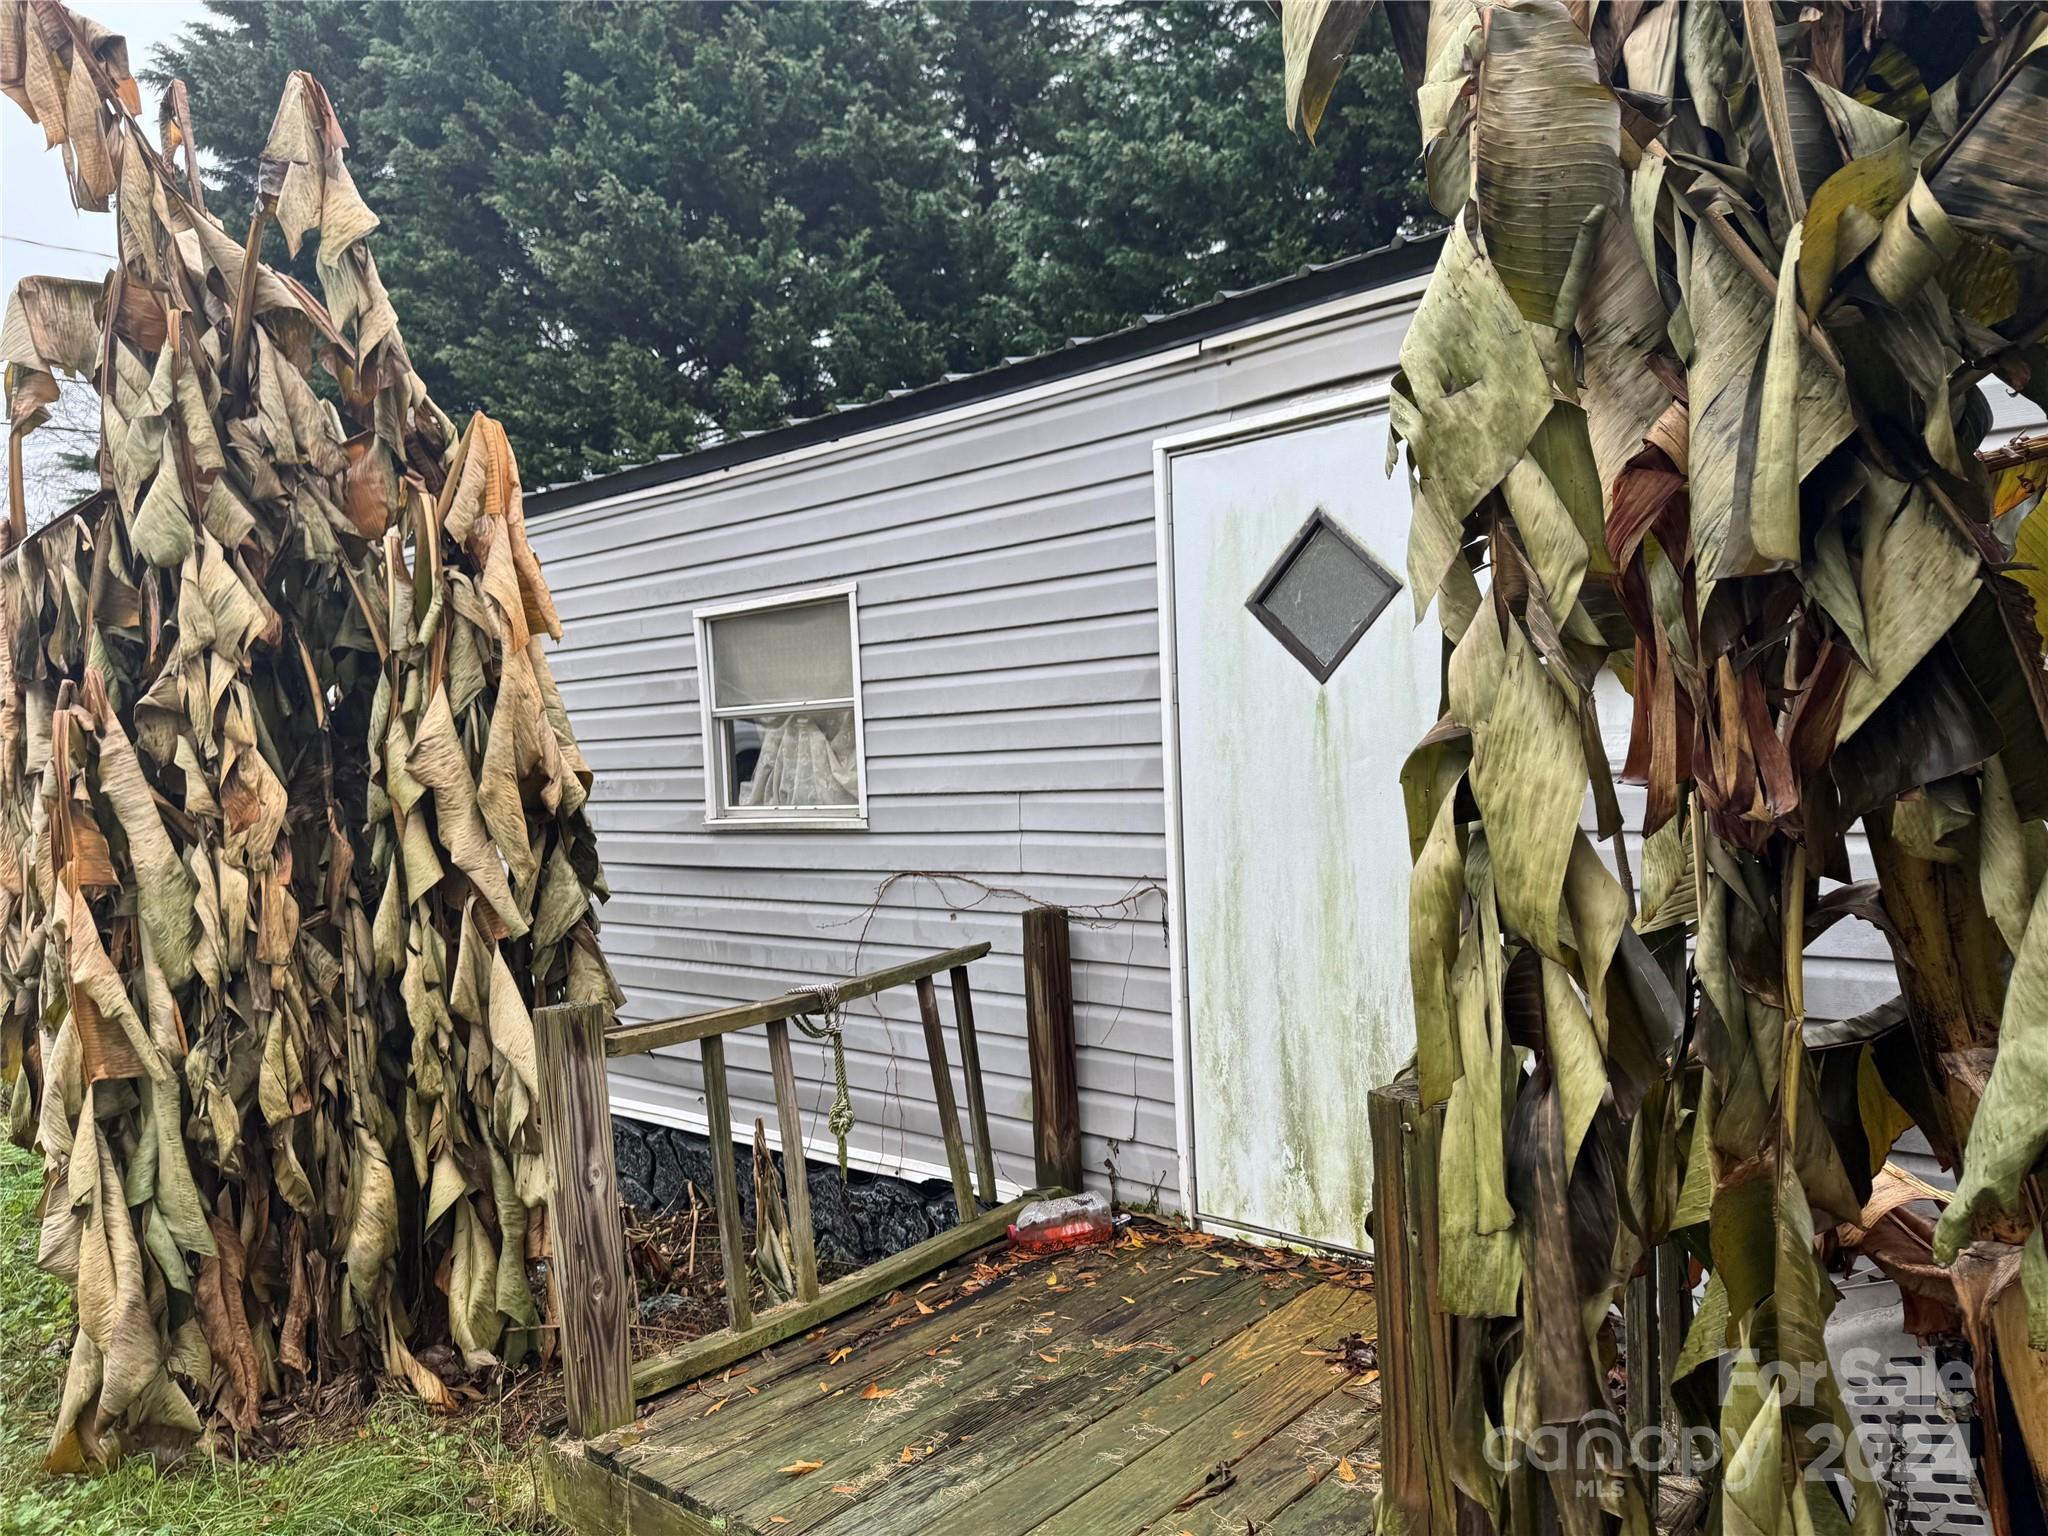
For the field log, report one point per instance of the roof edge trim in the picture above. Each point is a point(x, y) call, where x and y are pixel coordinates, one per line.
point(1227, 312)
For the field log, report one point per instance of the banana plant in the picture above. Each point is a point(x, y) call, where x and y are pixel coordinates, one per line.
point(293, 833)
point(1692, 406)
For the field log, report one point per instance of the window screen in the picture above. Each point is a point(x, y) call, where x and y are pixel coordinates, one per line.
point(783, 655)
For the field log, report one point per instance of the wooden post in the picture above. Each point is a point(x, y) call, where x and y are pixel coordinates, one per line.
point(1417, 1497)
point(977, 1093)
point(795, 1172)
point(592, 1284)
point(942, 1096)
point(2021, 1382)
point(1656, 1310)
point(1049, 1017)
point(725, 1186)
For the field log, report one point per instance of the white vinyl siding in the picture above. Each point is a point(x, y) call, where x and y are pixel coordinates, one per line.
point(1009, 659)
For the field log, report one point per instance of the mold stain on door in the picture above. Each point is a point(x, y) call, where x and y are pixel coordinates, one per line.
point(1294, 843)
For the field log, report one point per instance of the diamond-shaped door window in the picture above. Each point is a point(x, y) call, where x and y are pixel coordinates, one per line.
point(1322, 594)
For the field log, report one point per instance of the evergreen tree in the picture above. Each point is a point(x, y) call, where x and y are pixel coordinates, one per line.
point(618, 227)
point(1169, 174)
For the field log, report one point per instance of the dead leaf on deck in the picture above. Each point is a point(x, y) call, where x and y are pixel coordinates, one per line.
point(1207, 1377)
point(1346, 1473)
point(876, 1392)
point(799, 1468)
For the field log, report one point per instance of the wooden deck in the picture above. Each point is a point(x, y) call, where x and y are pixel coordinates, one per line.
point(1166, 1385)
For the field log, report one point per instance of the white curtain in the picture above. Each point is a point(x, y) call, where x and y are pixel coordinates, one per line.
point(805, 760)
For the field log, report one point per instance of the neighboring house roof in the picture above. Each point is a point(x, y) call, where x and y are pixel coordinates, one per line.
point(1228, 311)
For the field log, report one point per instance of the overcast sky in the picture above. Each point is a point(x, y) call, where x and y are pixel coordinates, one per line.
point(35, 204)
point(40, 232)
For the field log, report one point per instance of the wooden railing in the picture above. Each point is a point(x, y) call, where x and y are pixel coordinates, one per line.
point(593, 1282)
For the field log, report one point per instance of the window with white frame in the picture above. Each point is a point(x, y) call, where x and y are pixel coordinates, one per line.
point(779, 679)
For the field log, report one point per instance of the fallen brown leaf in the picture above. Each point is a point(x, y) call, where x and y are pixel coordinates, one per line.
point(799, 1468)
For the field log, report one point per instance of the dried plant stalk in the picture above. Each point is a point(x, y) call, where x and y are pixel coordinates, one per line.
point(1693, 397)
point(292, 821)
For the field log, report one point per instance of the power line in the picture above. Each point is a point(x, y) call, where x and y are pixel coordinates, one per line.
point(78, 250)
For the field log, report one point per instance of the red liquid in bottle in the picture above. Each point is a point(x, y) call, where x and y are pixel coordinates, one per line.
point(1048, 1226)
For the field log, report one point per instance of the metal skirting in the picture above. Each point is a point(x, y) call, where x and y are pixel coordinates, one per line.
point(1916, 1427)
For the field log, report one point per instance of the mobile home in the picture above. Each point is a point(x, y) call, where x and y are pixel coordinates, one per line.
point(1123, 629)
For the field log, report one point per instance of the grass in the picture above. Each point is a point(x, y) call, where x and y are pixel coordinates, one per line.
point(396, 1470)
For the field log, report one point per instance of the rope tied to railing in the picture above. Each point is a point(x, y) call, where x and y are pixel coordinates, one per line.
point(828, 1028)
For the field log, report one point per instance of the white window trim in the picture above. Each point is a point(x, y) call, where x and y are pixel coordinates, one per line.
point(717, 815)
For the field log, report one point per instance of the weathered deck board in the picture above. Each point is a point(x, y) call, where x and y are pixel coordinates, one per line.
point(1344, 1427)
point(916, 1398)
point(1015, 1413)
point(727, 1409)
point(1331, 1508)
point(1018, 1500)
point(1168, 1472)
point(1084, 1395)
point(944, 1487)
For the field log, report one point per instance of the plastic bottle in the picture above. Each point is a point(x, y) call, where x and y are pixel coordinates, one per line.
point(1046, 1226)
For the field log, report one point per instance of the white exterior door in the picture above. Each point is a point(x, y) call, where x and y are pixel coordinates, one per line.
point(1298, 681)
